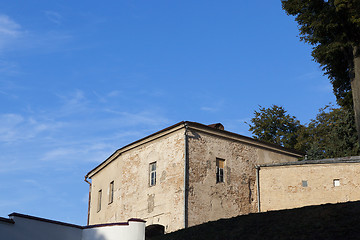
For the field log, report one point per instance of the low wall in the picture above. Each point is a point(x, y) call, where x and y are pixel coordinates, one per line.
point(309, 183)
point(24, 227)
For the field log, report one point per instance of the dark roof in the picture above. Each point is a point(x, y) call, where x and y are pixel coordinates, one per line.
point(218, 127)
point(67, 224)
point(7, 220)
point(43, 220)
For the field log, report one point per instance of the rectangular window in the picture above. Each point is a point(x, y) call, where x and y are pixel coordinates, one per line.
point(220, 163)
point(152, 173)
point(336, 182)
point(304, 183)
point(111, 192)
point(99, 200)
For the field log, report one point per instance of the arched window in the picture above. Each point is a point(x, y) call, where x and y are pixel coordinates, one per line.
point(153, 231)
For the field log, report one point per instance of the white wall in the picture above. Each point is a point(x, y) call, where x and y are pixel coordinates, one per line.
point(133, 231)
point(27, 227)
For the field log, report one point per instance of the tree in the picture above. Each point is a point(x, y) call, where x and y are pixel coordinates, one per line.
point(331, 134)
point(273, 125)
point(333, 28)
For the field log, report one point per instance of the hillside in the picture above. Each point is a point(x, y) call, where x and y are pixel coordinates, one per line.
point(330, 221)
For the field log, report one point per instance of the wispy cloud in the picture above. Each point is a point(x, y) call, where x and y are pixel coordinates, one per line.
point(54, 17)
point(15, 127)
point(147, 117)
point(9, 31)
point(74, 102)
point(8, 67)
point(8, 27)
point(209, 109)
point(310, 75)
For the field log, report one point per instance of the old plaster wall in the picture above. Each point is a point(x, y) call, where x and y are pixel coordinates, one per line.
point(133, 197)
point(281, 187)
point(237, 195)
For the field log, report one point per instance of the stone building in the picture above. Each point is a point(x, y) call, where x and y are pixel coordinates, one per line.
point(181, 176)
point(304, 183)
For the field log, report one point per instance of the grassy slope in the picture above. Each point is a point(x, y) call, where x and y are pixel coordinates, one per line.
point(330, 221)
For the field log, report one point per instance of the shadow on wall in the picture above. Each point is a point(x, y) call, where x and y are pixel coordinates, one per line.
point(154, 230)
point(99, 236)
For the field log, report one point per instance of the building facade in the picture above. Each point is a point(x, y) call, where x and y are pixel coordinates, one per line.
point(181, 176)
point(304, 183)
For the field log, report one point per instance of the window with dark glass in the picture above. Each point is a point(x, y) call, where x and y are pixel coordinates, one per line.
point(152, 169)
point(111, 192)
point(220, 163)
point(99, 200)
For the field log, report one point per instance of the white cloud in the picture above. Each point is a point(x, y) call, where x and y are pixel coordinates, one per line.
point(8, 27)
point(9, 31)
point(209, 109)
point(148, 118)
point(74, 102)
point(15, 127)
point(114, 93)
point(54, 17)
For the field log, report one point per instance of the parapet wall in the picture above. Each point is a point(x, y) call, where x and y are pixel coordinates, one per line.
point(24, 227)
point(303, 184)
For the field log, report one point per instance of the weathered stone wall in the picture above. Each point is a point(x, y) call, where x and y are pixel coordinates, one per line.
point(237, 195)
point(281, 186)
point(133, 197)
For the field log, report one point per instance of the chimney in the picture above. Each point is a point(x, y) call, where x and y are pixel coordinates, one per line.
point(217, 126)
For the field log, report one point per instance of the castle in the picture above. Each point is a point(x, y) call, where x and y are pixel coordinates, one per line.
point(182, 176)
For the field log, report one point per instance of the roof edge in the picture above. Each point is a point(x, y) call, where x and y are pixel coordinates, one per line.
point(350, 159)
point(250, 140)
point(7, 220)
point(14, 214)
point(121, 150)
point(246, 139)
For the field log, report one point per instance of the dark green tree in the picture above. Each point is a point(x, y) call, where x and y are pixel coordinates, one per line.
point(274, 125)
point(333, 28)
point(331, 134)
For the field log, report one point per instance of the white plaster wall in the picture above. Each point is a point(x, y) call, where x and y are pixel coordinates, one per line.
point(133, 231)
point(29, 229)
point(25, 229)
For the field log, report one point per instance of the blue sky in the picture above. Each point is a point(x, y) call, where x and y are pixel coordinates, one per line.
point(80, 79)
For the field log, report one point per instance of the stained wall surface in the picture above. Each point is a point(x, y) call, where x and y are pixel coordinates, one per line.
point(133, 196)
point(208, 200)
point(285, 187)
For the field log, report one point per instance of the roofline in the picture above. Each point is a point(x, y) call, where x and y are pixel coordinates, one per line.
point(252, 141)
point(14, 214)
point(7, 220)
point(351, 159)
point(197, 126)
point(130, 146)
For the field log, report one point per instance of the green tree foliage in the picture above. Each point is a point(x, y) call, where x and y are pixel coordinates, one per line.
point(331, 134)
point(333, 28)
point(273, 125)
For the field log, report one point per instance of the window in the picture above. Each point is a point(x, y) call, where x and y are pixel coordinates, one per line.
point(336, 182)
point(111, 192)
point(220, 170)
point(304, 183)
point(152, 174)
point(99, 200)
